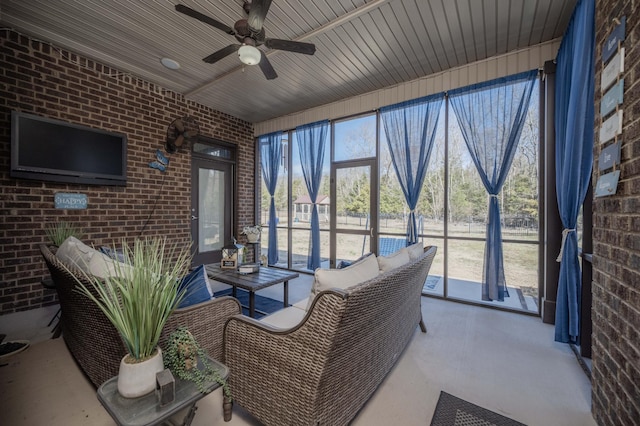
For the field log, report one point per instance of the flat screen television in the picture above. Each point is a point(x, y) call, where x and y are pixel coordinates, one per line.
point(53, 150)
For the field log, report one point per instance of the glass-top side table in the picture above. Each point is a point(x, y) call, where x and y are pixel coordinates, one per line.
point(146, 410)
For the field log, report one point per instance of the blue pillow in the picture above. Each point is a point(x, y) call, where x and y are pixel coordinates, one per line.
point(113, 253)
point(197, 287)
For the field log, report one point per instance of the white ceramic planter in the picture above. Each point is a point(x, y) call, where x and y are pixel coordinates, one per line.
point(138, 379)
point(253, 238)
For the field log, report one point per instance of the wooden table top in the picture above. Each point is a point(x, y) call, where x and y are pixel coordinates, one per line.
point(265, 277)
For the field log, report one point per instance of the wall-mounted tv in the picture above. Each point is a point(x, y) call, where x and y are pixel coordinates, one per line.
point(53, 150)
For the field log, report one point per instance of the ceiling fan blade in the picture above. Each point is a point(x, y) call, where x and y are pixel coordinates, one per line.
point(259, 9)
point(291, 46)
point(179, 125)
point(170, 147)
point(190, 133)
point(178, 141)
point(204, 18)
point(266, 67)
point(222, 53)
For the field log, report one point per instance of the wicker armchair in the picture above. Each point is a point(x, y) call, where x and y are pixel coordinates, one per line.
point(322, 371)
point(94, 342)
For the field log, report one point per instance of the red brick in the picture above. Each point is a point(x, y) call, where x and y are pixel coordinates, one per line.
point(63, 85)
point(616, 242)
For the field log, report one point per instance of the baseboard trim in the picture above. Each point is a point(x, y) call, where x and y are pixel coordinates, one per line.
point(581, 360)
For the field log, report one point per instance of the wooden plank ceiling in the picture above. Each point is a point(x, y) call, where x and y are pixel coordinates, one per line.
point(361, 45)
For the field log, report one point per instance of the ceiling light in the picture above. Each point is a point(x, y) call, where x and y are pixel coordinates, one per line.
point(170, 63)
point(249, 55)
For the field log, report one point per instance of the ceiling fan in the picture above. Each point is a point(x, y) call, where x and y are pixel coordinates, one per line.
point(250, 34)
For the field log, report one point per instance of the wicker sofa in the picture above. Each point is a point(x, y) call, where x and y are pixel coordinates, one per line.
point(323, 370)
point(94, 342)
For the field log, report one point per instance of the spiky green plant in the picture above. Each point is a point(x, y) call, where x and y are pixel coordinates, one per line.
point(57, 232)
point(142, 292)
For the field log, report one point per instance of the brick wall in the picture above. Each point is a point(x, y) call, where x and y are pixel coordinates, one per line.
point(616, 243)
point(42, 79)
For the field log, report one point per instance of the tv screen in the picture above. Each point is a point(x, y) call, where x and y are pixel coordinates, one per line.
point(53, 150)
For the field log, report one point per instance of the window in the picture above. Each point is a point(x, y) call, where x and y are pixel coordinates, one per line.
point(451, 211)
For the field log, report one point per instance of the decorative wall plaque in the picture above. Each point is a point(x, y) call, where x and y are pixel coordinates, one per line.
point(609, 157)
point(612, 98)
point(611, 128)
point(612, 52)
point(612, 70)
point(64, 200)
point(616, 36)
point(607, 184)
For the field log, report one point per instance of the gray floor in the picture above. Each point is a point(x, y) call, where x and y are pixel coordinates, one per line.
point(501, 361)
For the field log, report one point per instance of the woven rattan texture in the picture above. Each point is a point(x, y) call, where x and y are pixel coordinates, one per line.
point(322, 371)
point(94, 342)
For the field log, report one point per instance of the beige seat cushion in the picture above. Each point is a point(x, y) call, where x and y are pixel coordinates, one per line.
point(325, 279)
point(394, 260)
point(285, 318)
point(302, 304)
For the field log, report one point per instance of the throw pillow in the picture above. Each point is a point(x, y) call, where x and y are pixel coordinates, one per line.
point(394, 260)
point(346, 263)
point(415, 251)
point(72, 251)
point(103, 266)
point(115, 254)
point(361, 271)
point(197, 287)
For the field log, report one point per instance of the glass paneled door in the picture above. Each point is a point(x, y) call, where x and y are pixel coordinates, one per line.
point(354, 214)
point(211, 209)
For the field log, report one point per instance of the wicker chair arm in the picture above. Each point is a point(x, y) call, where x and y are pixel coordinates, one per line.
point(206, 322)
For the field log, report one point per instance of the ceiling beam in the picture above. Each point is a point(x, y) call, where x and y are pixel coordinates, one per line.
point(365, 8)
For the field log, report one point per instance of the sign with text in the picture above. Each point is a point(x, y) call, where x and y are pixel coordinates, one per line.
point(64, 200)
point(612, 70)
point(616, 36)
point(611, 128)
point(607, 184)
point(227, 263)
point(612, 98)
point(609, 157)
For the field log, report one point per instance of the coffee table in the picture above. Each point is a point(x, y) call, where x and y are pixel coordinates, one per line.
point(265, 277)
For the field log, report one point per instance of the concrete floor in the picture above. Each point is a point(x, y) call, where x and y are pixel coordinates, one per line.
point(502, 361)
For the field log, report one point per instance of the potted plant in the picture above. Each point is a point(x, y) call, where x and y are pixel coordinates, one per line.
point(138, 298)
point(57, 232)
point(187, 360)
point(252, 233)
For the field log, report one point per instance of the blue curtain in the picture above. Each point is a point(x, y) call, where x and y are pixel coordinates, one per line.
point(574, 117)
point(410, 128)
point(491, 116)
point(311, 139)
point(270, 156)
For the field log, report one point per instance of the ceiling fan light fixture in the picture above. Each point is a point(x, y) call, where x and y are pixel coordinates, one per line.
point(170, 63)
point(249, 55)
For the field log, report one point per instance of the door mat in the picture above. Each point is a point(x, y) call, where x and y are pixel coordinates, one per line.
point(264, 305)
point(431, 282)
point(453, 411)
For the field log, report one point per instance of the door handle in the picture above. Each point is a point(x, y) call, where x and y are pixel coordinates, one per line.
point(194, 217)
